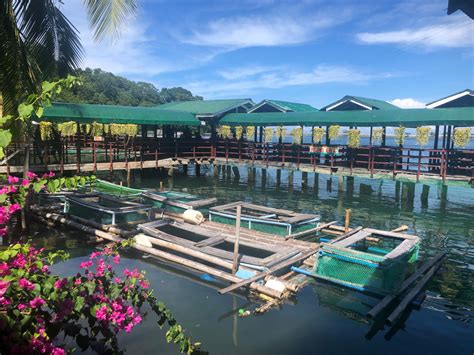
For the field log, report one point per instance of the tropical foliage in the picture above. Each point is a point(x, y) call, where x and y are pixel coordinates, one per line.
point(399, 135)
point(353, 138)
point(101, 87)
point(250, 132)
point(377, 134)
point(422, 135)
point(67, 129)
point(268, 134)
point(318, 134)
point(239, 131)
point(38, 42)
point(224, 132)
point(461, 137)
point(297, 135)
point(334, 131)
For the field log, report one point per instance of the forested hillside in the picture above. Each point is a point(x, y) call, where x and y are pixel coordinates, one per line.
point(100, 87)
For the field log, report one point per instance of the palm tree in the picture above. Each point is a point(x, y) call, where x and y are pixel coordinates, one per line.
point(37, 42)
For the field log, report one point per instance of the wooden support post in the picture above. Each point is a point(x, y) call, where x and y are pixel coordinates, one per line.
point(347, 220)
point(235, 260)
point(161, 185)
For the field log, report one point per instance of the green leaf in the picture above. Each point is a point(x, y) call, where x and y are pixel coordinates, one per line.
point(47, 86)
point(39, 112)
point(5, 137)
point(25, 110)
point(79, 303)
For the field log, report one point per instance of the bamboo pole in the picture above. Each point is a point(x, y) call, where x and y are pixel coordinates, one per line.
point(395, 315)
point(104, 227)
point(235, 265)
point(407, 283)
point(165, 256)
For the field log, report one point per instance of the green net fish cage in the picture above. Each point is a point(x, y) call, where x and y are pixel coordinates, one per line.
point(369, 260)
point(106, 209)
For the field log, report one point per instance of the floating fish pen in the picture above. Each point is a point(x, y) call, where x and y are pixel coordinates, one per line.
point(57, 198)
point(265, 219)
point(114, 189)
point(106, 209)
point(253, 254)
point(368, 260)
point(178, 202)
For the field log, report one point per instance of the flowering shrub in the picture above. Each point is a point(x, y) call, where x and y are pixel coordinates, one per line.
point(44, 313)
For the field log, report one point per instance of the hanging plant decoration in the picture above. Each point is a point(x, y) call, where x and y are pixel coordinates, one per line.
point(399, 135)
point(250, 132)
point(268, 134)
point(334, 131)
point(318, 134)
point(107, 129)
point(97, 129)
point(353, 138)
point(377, 134)
point(46, 130)
point(131, 130)
point(239, 130)
point(422, 135)
point(115, 129)
point(280, 132)
point(67, 129)
point(461, 137)
point(297, 134)
point(224, 132)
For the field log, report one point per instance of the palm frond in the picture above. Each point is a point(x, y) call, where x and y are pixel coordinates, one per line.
point(107, 16)
point(18, 70)
point(51, 38)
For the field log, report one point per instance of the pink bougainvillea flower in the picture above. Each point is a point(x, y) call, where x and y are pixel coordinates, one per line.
point(95, 254)
point(144, 284)
point(117, 259)
point(21, 306)
point(4, 287)
point(45, 269)
point(31, 175)
point(26, 285)
point(58, 351)
point(77, 281)
point(51, 174)
point(60, 283)
point(4, 269)
point(3, 231)
point(4, 190)
point(12, 179)
point(14, 207)
point(25, 182)
point(37, 302)
point(101, 313)
point(12, 189)
point(85, 264)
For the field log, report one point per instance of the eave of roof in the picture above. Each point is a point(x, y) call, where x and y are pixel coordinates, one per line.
point(206, 107)
point(364, 101)
point(86, 113)
point(459, 116)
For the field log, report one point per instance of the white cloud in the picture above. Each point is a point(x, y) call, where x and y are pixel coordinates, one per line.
point(134, 53)
point(453, 33)
point(263, 31)
point(244, 72)
point(408, 103)
point(275, 79)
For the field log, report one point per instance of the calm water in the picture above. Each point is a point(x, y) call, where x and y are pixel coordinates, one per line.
point(322, 319)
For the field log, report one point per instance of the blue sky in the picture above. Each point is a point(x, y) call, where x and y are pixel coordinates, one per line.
point(304, 51)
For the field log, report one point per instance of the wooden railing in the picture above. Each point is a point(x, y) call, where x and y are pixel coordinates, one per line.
point(373, 159)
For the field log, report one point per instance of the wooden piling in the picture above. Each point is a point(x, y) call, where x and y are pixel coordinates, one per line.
point(347, 220)
point(236, 242)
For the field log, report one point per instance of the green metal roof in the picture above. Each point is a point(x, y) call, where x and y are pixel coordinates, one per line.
point(372, 103)
point(206, 107)
point(458, 116)
point(287, 106)
point(85, 113)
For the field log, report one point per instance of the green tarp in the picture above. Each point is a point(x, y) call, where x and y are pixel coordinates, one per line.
point(86, 113)
point(459, 116)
